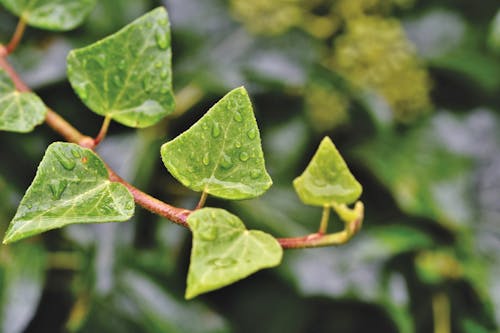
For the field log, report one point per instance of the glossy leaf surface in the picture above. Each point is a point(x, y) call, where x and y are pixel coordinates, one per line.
point(221, 154)
point(71, 186)
point(19, 112)
point(224, 251)
point(327, 178)
point(127, 76)
point(51, 14)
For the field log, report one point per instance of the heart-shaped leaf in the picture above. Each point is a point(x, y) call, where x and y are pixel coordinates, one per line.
point(70, 186)
point(224, 251)
point(327, 179)
point(127, 76)
point(221, 154)
point(51, 14)
point(19, 111)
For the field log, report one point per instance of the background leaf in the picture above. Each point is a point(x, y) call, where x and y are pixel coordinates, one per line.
point(51, 14)
point(127, 76)
point(224, 251)
point(71, 186)
point(19, 112)
point(221, 154)
point(327, 178)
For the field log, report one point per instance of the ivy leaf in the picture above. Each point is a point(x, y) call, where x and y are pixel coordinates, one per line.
point(224, 251)
point(127, 76)
point(327, 179)
point(71, 186)
point(51, 14)
point(19, 111)
point(221, 154)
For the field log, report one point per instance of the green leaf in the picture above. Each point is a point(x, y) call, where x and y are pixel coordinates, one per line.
point(19, 111)
point(224, 251)
point(127, 76)
point(71, 186)
point(22, 272)
point(327, 179)
point(51, 14)
point(221, 154)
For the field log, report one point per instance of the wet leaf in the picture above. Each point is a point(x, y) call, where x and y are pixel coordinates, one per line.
point(71, 186)
point(224, 251)
point(19, 111)
point(51, 14)
point(327, 179)
point(221, 154)
point(127, 76)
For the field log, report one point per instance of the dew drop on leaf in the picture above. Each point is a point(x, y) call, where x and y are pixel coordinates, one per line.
point(226, 162)
point(251, 134)
point(117, 80)
point(209, 234)
point(206, 159)
point(162, 22)
point(237, 144)
point(254, 174)
point(161, 40)
point(67, 163)
point(164, 74)
point(238, 117)
point(57, 188)
point(223, 262)
point(158, 64)
point(216, 130)
point(244, 156)
point(75, 153)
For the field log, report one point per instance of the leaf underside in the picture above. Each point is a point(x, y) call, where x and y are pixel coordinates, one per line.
point(221, 154)
point(19, 112)
point(224, 251)
point(71, 186)
point(127, 76)
point(56, 15)
point(327, 179)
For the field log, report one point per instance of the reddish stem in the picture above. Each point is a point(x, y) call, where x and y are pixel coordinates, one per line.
point(17, 36)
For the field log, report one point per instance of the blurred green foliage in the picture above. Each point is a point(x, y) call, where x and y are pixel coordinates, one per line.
point(408, 90)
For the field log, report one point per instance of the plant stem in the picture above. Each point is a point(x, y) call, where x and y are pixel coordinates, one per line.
point(17, 36)
point(323, 226)
point(441, 313)
point(103, 131)
point(175, 214)
point(203, 198)
point(186, 98)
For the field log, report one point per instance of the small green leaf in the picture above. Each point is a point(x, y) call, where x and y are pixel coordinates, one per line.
point(19, 112)
point(224, 251)
point(127, 76)
point(221, 154)
point(327, 179)
point(51, 14)
point(70, 186)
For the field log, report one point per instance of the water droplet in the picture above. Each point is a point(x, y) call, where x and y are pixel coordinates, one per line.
point(75, 153)
point(216, 130)
point(57, 188)
point(244, 156)
point(29, 206)
point(319, 182)
point(237, 117)
point(158, 64)
point(209, 233)
point(238, 144)
point(164, 74)
point(206, 159)
point(67, 163)
point(164, 90)
point(163, 22)
point(204, 126)
point(161, 40)
point(149, 25)
point(226, 162)
point(251, 134)
point(223, 262)
point(82, 92)
point(129, 206)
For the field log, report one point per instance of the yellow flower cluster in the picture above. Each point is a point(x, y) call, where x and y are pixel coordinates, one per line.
point(374, 53)
point(327, 108)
